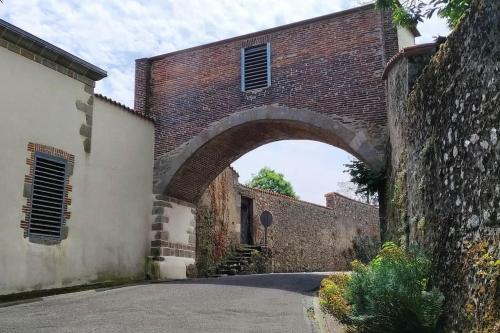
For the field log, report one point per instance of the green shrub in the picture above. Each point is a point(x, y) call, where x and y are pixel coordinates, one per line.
point(391, 293)
point(365, 248)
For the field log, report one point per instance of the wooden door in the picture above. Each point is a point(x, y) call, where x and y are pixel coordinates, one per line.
point(246, 222)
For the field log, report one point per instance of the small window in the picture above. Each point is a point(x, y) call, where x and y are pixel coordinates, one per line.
point(47, 200)
point(255, 67)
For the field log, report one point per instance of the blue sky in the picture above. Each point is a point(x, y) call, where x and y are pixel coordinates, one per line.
point(113, 33)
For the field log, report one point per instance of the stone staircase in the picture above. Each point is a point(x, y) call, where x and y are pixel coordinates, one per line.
point(239, 262)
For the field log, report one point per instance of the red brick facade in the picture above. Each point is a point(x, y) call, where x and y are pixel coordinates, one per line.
point(330, 65)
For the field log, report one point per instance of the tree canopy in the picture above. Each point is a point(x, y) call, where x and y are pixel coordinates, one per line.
point(408, 13)
point(367, 181)
point(268, 179)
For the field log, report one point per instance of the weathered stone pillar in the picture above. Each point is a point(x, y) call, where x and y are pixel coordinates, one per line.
point(173, 238)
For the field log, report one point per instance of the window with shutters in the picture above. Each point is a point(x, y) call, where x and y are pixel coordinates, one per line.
point(256, 67)
point(46, 215)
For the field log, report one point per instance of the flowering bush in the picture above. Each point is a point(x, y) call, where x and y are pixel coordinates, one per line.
point(332, 296)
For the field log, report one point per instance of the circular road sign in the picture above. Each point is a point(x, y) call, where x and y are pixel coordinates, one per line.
point(266, 218)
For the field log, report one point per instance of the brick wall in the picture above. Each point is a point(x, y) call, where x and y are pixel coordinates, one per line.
point(330, 65)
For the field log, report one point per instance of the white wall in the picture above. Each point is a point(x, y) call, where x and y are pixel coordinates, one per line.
point(405, 37)
point(111, 198)
point(180, 223)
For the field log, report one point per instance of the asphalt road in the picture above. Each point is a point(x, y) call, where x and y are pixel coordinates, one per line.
point(252, 303)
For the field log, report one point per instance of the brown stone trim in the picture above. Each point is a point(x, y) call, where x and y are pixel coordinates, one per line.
point(173, 245)
point(174, 250)
point(160, 235)
point(158, 226)
point(160, 247)
point(34, 148)
point(87, 107)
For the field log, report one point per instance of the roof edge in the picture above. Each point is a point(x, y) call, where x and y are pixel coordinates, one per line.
point(124, 107)
point(406, 52)
point(38, 46)
point(265, 31)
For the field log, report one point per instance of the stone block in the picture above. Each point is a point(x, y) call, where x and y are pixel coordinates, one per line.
point(86, 145)
point(158, 211)
point(161, 203)
point(82, 106)
point(86, 130)
point(27, 189)
point(172, 268)
point(161, 219)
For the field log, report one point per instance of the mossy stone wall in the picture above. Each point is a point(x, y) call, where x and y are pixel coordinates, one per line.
point(444, 184)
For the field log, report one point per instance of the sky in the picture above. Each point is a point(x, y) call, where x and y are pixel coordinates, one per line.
point(113, 33)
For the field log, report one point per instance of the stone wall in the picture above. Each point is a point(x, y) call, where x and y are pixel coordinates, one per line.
point(309, 237)
point(444, 191)
point(217, 221)
point(303, 237)
point(356, 212)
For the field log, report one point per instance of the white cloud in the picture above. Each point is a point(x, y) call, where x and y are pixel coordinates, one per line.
point(113, 33)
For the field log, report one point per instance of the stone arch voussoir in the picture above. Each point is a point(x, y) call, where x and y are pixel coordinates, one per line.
point(183, 168)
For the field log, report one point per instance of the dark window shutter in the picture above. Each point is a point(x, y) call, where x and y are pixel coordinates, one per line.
point(255, 67)
point(47, 201)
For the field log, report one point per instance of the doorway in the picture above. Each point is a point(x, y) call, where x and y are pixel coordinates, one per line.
point(246, 222)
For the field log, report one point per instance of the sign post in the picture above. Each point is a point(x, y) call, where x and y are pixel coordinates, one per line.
point(266, 218)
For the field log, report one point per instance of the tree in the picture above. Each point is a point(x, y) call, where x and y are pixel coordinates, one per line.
point(268, 179)
point(408, 13)
point(367, 181)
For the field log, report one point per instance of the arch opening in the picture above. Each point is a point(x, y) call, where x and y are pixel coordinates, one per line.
point(185, 173)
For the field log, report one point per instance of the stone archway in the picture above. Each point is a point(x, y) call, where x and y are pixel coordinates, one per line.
point(186, 172)
point(323, 83)
point(181, 176)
